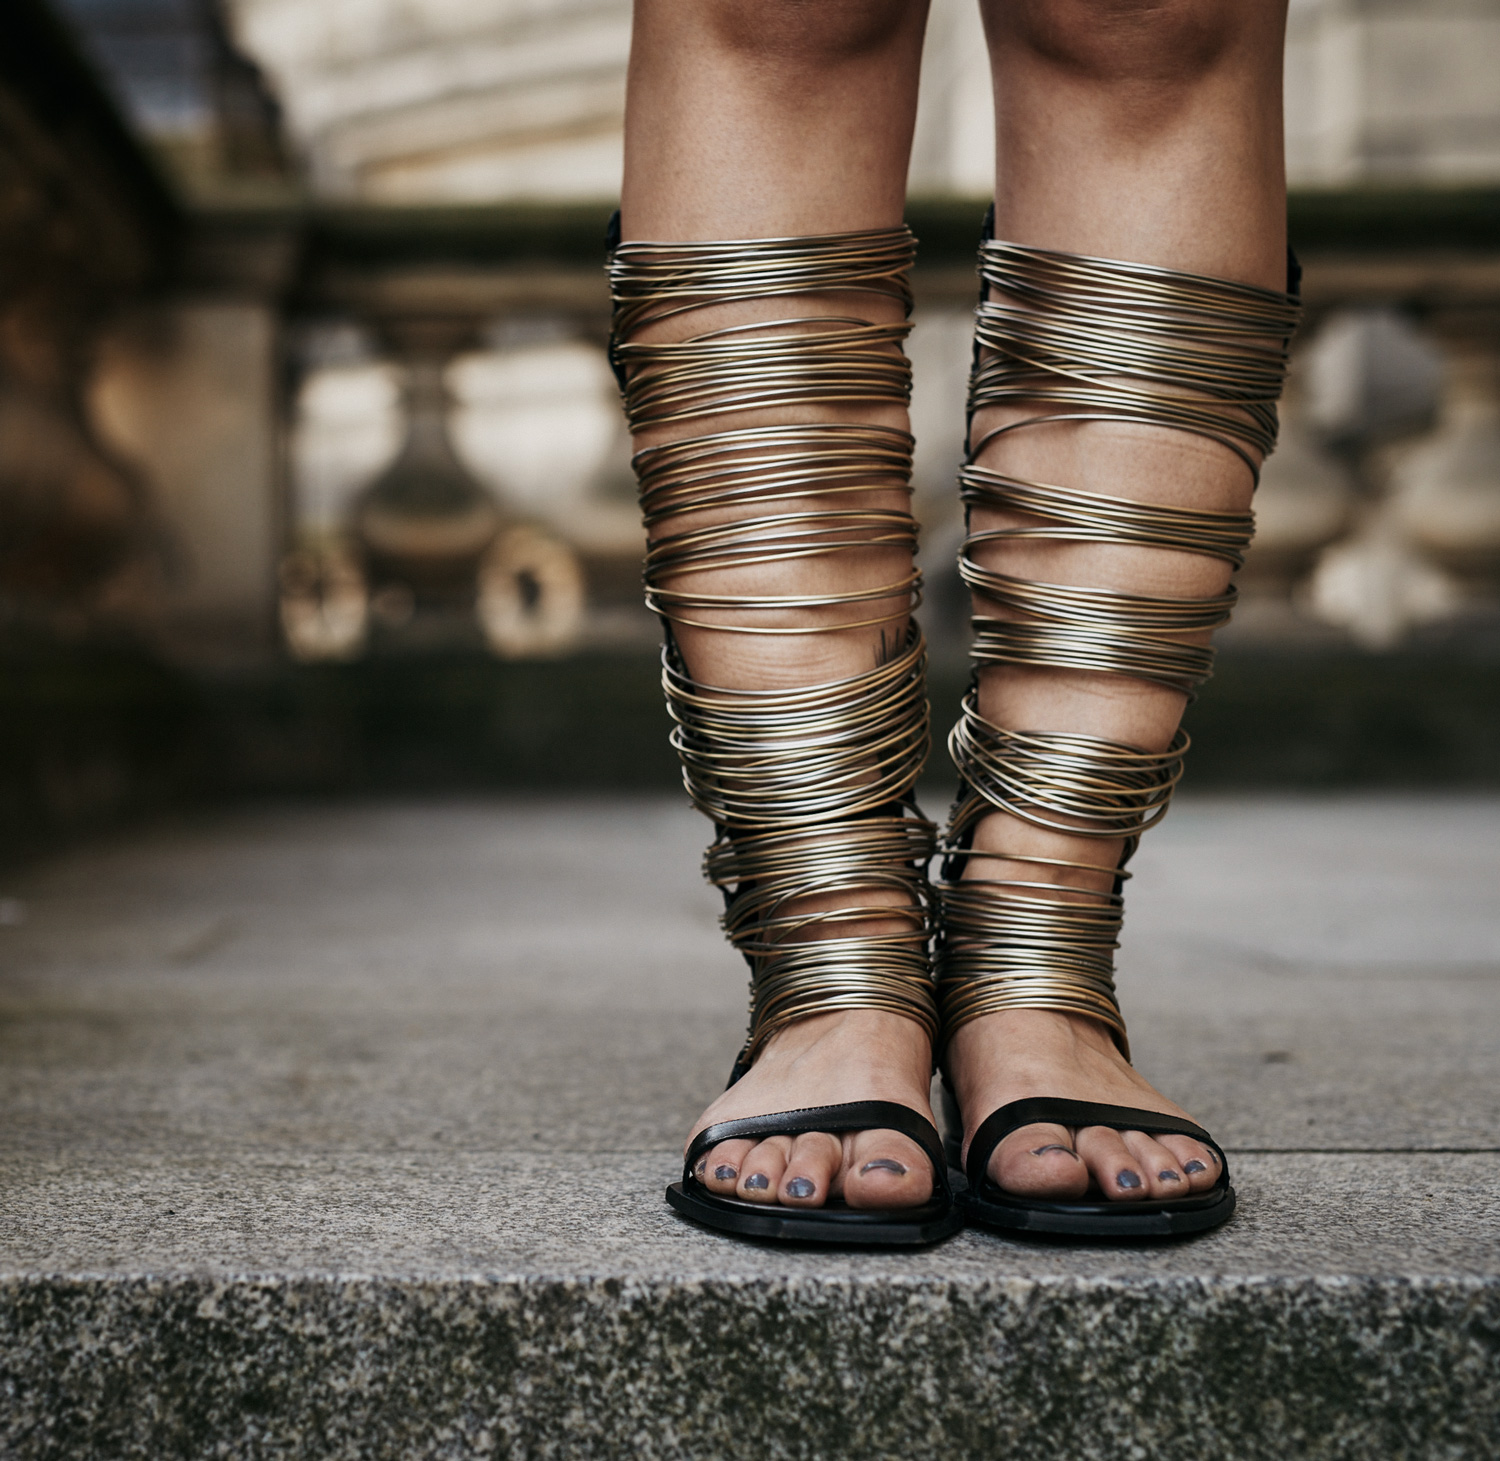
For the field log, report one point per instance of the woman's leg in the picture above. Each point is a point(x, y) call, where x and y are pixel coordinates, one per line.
point(1147, 131)
point(774, 119)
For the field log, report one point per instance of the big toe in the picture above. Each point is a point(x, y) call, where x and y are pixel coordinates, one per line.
point(1039, 1161)
point(885, 1169)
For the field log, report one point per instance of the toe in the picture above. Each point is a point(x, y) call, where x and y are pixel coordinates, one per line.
point(811, 1169)
point(1116, 1170)
point(719, 1170)
point(885, 1169)
point(1159, 1168)
point(762, 1168)
point(1200, 1165)
point(1039, 1161)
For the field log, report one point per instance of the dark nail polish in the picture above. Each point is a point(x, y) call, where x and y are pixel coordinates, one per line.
point(801, 1187)
point(883, 1164)
point(1042, 1151)
point(1193, 1167)
point(757, 1182)
point(1169, 1176)
point(699, 1169)
point(1129, 1180)
point(726, 1174)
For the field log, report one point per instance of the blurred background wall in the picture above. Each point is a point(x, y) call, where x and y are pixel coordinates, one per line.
point(311, 470)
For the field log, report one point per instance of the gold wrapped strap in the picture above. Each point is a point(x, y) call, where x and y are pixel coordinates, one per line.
point(1118, 341)
point(758, 469)
point(1079, 785)
point(818, 362)
point(801, 784)
point(1067, 339)
point(820, 852)
point(1004, 947)
point(1095, 517)
point(651, 282)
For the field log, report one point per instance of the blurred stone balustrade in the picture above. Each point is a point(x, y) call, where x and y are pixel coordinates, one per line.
point(1374, 511)
point(423, 553)
point(235, 408)
point(1411, 306)
point(1446, 489)
point(453, 421)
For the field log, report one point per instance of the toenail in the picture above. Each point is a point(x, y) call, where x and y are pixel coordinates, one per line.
point(1170, 1176)
point(726, 1174)
point(1128, 1179)
point(698, 1170)
point(757, 1182)
point(1042, 1151)
point(883, 1164)
point(1193, 1167)
point(801, 1187)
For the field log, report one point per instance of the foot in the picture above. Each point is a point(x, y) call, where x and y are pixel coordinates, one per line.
point(854, 1055)
point(1009, 1056)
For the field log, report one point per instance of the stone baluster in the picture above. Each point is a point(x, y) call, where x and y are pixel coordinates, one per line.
point(426, 553)
point(1375, 389)
point(1445, 492)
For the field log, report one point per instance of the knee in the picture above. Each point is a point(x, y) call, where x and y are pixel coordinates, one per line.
point(1130, 40)
point(815, 33)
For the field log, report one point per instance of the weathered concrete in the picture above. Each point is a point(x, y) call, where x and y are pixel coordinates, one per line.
point(342, 1133)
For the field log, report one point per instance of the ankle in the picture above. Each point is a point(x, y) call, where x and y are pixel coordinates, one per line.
point(877, 1044)
point(1022, 1043)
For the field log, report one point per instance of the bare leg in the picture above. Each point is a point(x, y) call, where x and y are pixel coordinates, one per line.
point(765, 119)
point(1148, 132)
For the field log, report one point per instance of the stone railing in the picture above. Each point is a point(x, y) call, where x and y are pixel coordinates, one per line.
point(350, 429)
point(452, 424)
point(506, 514)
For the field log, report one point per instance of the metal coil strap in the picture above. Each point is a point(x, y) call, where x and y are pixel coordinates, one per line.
point(809, 788)
point(1063, 338)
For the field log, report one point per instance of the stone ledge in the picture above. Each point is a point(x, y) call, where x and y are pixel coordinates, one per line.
point(805, 1368)
point(584, 1216)
point(470, 1304)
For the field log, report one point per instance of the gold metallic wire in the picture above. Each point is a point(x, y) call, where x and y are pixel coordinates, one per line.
point(1080, 785)
point(809, 788)
point(1095, 517)
point(1066, 338)
point(1130, 342)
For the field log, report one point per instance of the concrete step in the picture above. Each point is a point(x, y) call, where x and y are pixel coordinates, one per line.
point(342, 1133)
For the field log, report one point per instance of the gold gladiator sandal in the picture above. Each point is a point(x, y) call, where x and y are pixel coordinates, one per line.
point(810, 789)
point(1067, 338)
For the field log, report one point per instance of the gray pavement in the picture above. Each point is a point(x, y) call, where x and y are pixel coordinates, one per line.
point(405, 1082)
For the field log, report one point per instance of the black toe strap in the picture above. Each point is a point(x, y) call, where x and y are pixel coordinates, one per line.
point(848, 1116)
point(1054, 1111)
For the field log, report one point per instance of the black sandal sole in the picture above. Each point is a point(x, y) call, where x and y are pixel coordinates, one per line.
point(833, 1223)
point(1178, 1217)
point(1140, 1220)
point(914, 1228)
